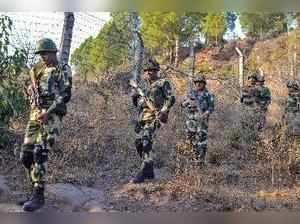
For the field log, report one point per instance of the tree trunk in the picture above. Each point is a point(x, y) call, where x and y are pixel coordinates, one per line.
point(66, 39)
point(171, 55)
point(176, 52)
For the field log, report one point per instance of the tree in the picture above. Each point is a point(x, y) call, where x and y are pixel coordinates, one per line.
point(12, 61)
point(258, 24)
point(160, 30)
point(109, 50)
point(166, 32)
point(214, 27)
point(81, 57)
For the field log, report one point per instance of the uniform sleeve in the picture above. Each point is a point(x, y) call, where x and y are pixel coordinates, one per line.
point(61, 88)
point(185, 103)
point(135, 97)
point(243, 94)
point(170, 98)
point(267, 96)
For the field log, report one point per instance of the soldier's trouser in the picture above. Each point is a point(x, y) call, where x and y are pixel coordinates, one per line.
point(196, 133)
point(262, 119)
point(33, 155)
point(198, 140)
point(255, 118)
point(144, 139)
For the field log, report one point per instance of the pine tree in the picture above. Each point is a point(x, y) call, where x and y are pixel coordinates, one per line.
point(214, 27)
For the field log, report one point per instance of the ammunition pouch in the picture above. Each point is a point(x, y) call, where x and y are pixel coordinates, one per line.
point(26, 156)
point(138, 127)
point(147, 144)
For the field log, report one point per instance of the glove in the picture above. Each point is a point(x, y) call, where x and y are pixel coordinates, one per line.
point(163, 116)
point(135, 98)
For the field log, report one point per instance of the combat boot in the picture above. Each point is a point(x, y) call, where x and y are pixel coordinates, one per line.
point(36, 202)
point(146, 172)
point(23, 201)
point(139, 178)
point(27, 197)
point(149, 170)
point(200, 158)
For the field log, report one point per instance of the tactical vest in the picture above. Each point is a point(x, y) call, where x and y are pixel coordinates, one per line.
point(248, 96)
point(155, 93)
point(293, 103)
point(48, 81)
point(204, 101)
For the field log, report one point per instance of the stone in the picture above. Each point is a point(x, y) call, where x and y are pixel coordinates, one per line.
point(77, 196)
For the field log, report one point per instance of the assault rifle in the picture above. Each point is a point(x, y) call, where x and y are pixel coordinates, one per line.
point(35, 99)
point(192, 66)
point(147, 101)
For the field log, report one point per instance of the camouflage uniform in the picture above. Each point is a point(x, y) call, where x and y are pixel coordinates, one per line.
point(292, 121)
point(263, 100)
point(53, 86)
point(195, 105)
point(159, 93)
point(248, 93)
point(256, 98)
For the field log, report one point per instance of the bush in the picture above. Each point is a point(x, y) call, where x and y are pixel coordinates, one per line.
point(12, 101)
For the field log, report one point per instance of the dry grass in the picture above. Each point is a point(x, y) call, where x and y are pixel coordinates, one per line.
point(96, 147)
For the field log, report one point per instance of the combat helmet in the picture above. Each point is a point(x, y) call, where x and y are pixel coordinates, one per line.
point(151, 64)
point(45, 45)
point(292, 84)
point(199, 78)
point(260, 78)
point(253, 75)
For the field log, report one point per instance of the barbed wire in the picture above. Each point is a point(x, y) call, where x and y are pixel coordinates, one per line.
point(29, 27)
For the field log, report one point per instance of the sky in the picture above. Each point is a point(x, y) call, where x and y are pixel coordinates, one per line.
point(29, 27)
point(33, 26)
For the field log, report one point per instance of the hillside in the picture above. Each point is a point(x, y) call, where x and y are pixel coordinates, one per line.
point(246, 170)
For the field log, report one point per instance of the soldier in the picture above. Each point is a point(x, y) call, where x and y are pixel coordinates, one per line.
point(292, 121)
point(49, 92)
point(153, 102)
point(199, 105)
point(255, 98)
point(248, 92)
point(262, 99)
point(292, 103)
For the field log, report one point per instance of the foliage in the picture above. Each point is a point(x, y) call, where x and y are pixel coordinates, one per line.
point(165, 32)
point(160, 29)
point(12, 101)
point(259, 24)
point(214, 27)
point(108, 50)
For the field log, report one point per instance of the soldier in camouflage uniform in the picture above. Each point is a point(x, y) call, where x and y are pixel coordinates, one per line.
point(153, 101)
point(248, 92)
point(199, 105)
point(262, 99)
point(49, 92)
point(256, 98)
point(292, 121)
